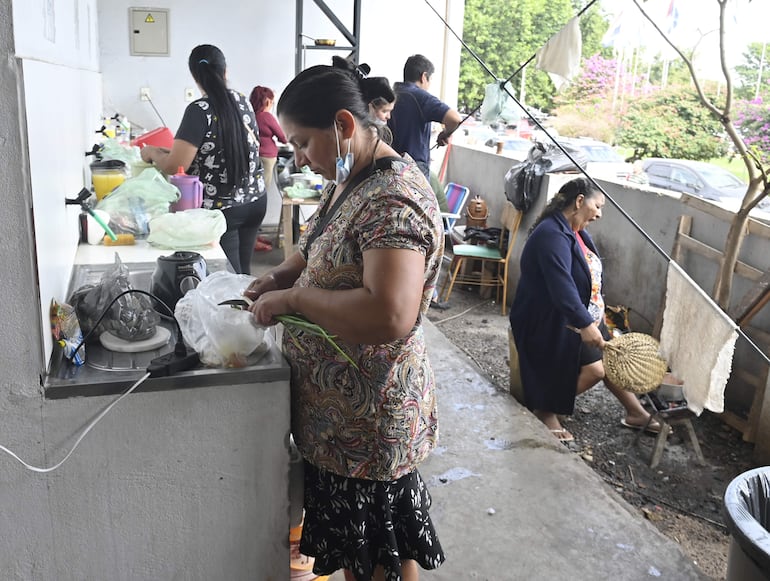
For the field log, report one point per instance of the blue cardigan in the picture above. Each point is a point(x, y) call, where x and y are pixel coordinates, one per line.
point(554, 291)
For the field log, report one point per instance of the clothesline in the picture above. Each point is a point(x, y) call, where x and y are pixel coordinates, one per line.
point(626, 215)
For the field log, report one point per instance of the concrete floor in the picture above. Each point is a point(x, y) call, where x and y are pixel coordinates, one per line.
point(510, 503)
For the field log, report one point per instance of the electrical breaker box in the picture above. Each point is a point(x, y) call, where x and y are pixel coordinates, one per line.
point(148, 31)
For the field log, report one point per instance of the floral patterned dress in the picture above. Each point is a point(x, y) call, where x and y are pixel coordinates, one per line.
point(364, 431)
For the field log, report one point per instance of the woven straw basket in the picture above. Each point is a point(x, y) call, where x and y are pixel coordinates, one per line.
point(631, 362)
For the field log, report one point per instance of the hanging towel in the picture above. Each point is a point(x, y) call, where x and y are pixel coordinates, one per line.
point(560, 57)
point(697, 340)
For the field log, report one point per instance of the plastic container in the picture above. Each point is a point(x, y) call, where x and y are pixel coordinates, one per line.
point(747, 515)
point(94, 231)
point(190, 190)
point(137, 167)
point(160, 137)
point(106, 176)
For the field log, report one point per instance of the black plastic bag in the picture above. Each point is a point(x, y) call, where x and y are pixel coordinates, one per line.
point(131, 317)
point(524, 179)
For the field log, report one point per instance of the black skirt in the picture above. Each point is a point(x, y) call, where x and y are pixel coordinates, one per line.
point(357, 524)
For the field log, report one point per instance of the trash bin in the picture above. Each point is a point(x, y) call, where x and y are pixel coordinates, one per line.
point(747, 514)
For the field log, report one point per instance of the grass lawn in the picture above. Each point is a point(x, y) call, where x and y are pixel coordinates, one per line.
point(735, 166)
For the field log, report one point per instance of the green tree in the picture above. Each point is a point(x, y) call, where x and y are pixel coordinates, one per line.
point(505, 34)
point(671, 123)
point(748, 73)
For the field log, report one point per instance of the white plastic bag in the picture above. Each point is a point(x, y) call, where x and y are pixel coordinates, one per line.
point(187, 230)
point(222, 336)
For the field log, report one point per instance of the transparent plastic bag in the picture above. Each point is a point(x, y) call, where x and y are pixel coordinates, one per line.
point(222, 336)
point(138, 200)
point(131, 317)
point(66, 332)
point(187, 230)
point(113, 149)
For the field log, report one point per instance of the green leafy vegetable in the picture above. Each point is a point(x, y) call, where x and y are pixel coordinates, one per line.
point(295, 323)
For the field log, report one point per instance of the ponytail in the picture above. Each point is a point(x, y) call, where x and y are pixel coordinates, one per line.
point(207, 66)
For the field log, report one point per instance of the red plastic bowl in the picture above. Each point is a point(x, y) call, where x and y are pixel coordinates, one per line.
point(160, 137)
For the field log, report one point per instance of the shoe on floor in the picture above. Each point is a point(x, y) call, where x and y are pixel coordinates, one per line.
point(439, 305)
point(562, 435)
point(261, 246)
point(653, 427)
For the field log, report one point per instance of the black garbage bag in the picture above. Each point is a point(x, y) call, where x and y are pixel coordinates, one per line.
point(747, 516)
point(523, 180)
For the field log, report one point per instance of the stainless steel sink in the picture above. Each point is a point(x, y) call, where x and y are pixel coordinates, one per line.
point(97, 357)
point(109, 372)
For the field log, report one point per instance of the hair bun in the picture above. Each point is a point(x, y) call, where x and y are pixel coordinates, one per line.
point(359, 71)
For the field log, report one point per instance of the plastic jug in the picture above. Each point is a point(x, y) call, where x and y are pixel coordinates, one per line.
point(190, 189)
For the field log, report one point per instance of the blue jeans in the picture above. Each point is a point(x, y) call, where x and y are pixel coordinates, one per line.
point(243, 222)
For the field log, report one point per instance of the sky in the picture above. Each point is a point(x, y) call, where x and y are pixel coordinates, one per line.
point(689, 24)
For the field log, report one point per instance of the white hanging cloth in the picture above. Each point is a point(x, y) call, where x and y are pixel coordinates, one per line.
point(697, 340)
point(560, 57)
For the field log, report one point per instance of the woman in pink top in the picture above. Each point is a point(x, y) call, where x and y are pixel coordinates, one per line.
point(262, 101)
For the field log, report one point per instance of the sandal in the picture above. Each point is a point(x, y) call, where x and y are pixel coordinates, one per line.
point(653, 427)
point(562, 435)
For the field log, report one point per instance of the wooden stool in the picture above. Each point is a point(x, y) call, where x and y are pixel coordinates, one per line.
point(668, 418)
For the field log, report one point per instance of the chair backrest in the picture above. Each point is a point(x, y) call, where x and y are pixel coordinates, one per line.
point(511, 221)
point(456, 196)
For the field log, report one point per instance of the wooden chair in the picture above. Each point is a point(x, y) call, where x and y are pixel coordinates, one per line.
point(494, 260)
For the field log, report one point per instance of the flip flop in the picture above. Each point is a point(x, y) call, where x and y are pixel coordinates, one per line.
point(652, 428)
point(562, 435)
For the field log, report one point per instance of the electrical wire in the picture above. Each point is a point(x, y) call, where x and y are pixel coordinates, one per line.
point(104, 412)
point(163, 123)
point(179, 340)
point(620, 209)
point(81, 436)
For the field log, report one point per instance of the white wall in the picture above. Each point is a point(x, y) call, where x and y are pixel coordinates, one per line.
point(57, 45)
point(258, 40)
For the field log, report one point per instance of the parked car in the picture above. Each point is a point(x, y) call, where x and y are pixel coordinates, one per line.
point(698, 178)
point(603, 160)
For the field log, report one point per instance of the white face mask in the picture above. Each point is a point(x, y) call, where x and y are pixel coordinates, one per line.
point(344, 166)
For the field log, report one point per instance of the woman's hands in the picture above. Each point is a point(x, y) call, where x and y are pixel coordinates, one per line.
point(261, 285)
point(150, 153)
point(269, 305)
point(269, 299)
point(591, 335)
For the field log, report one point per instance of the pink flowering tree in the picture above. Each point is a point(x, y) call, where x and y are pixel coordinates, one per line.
point(752, 118)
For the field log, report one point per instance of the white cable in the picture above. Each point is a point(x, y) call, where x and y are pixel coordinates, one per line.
point(82, 435)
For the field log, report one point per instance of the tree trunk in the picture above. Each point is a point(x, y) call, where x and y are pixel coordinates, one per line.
point(735, 236)
point(758, 180)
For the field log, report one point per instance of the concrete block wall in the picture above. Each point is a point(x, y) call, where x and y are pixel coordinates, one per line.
point(635, 265)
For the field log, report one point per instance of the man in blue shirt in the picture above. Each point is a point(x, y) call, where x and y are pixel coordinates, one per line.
point(415, 110)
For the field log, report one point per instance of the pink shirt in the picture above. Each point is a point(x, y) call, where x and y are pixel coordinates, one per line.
point(268, 127)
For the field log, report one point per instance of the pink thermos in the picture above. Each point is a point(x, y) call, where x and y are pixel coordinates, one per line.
point(190, 189)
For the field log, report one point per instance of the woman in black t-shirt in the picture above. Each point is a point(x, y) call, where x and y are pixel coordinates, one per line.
point(217, 141)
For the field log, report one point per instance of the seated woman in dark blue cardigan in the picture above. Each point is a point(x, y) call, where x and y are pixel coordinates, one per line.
point(557, 315)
